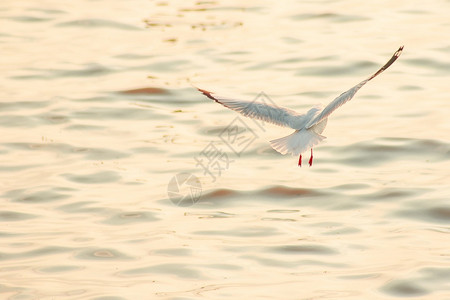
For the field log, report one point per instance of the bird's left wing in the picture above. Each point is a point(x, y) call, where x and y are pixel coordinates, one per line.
point(273, 114)
point(348, 95)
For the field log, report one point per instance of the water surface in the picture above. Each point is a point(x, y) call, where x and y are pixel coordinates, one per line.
point(98, 114)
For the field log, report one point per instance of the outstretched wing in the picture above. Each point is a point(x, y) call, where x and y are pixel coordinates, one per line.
point(348, 95)
point(268, 113)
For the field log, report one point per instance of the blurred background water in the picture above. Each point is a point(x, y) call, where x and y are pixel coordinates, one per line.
point(98, 114)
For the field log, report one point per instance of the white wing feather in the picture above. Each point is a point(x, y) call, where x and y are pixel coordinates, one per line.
point(273, 114)
point(348, 95)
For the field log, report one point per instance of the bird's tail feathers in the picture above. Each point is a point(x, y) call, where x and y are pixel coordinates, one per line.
point(297, 142)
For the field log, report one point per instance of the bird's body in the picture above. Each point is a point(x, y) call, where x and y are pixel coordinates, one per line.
point(308, 127)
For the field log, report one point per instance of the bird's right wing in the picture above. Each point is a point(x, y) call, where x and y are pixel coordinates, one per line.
point(348, 95)
point(273, 114)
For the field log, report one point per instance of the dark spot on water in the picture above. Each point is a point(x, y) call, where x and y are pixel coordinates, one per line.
point(403, 288)
point(287, 192)
point(219, 194)
point(54, 119)
point(410, 88)
point(101, 254)
point(437, 214)
point(440, 213)
point(10, 216)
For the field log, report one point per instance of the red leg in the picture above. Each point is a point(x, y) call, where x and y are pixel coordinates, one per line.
point(300, 161)
point(311, 159)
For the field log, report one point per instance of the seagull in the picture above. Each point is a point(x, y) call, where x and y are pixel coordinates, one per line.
point(308, 127)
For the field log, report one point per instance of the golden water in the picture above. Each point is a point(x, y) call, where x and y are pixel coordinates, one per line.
point(98, 114)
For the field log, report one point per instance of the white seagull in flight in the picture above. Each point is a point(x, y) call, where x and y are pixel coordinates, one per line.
point(308, 127)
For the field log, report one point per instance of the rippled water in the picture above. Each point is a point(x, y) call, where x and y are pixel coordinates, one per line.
point(98, 114)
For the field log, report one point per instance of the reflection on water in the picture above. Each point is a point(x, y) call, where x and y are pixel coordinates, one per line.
point(98, 114)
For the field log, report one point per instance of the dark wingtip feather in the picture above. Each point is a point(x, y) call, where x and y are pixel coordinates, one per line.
point(388, 64)
point(207, 94)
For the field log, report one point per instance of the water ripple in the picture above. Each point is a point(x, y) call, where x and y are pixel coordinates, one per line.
point(241, 232)
point(101, 254)
point(131, 217)
point(439, 67)
point(384, 150)
point(434, 214)
point(98, 23)
point(61, 148)
point(332, 17)
point(12, 216)
point(44, 194)
point(335, 70)
point(304, 249)
point(404, 288)
point(179, 270)
point(101, 177)
point(49, 250)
